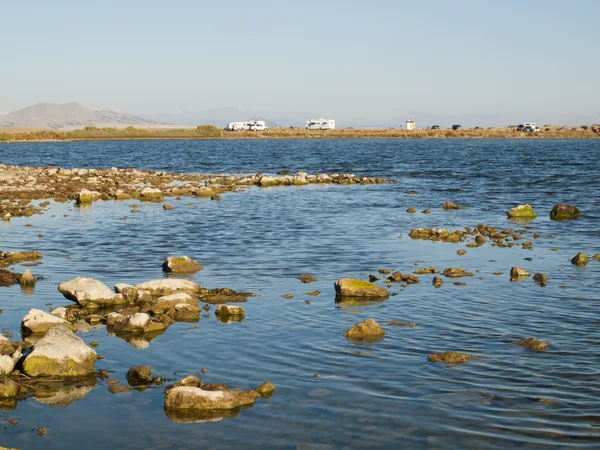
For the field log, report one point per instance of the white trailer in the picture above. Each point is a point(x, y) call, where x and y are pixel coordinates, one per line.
point(320, 124)
point(249, 125)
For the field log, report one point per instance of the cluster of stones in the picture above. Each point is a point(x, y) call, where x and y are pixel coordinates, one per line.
point(22, 184)
point(25, 279)
point(475, 236)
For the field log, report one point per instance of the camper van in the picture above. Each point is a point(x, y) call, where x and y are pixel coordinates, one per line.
point(320, 124)
point(250, 125)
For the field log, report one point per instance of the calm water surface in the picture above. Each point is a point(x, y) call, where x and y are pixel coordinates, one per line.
point(378, 394)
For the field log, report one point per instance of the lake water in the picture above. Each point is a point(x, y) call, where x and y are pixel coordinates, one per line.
point(332, 392)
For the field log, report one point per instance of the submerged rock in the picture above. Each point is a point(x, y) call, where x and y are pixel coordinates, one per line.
point(59, 353)
point(38, 321)
point(265, 388)
point(352, 287)
point(397, 323)
point(139, 375)
point(365, 329)
point(532, 344)
point(449, 357)
point(541, 278)
point(579, 259)
point(181, 264)
point(195, 398)
point(455, 272)
point(564, 212)
point(8, 278)
point(522, 212)
point(449, 205)
point(307, 278)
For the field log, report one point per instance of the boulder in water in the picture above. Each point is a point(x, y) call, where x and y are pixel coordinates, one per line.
point(353, 287)
point(564, 212)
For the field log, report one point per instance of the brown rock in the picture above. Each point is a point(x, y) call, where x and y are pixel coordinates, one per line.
point(532, 344)
point(579, 259)
point(365, 329)
point(307, 278)
point(449, 357)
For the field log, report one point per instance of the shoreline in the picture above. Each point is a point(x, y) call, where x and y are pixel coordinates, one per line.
point(205, 132)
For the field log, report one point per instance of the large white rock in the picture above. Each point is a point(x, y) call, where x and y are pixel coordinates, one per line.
point(7, 365)
point(88, 290)
point(59, 353)
point(169, 286)
point(38, 321)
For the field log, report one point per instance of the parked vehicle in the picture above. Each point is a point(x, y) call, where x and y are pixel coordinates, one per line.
point(435, 127)
point(456, 127)
point(250, 125)
point(530, 127)
point(597, 130)
point(320, 124)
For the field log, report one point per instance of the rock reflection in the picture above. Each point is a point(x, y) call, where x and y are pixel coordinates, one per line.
point(140, 341)
point(195, 416)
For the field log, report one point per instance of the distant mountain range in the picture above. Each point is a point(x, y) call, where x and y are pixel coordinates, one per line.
point(71, 116)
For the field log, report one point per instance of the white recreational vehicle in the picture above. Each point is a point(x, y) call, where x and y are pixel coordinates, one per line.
point(250, 125)
point(320, 124)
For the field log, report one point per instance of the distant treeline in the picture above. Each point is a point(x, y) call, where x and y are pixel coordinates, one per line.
point(212, 132)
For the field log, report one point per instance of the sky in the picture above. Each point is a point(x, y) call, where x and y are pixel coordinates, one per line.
point(518, 59)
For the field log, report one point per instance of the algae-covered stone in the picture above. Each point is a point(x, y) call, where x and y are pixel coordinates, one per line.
point(532, 344)
point(38, 321)
point(579, 259)
point(353, 287)
point(437, 282)
point(8, 388)
point(449, 357)
point(169, 286)
point(265, 388)
point(139, 375)
point(228, 310)
point(184, 312)
point(517, 272)
point(6, 347)
point(541, 278)
point(181, 264)
point(59, 353)
point(365, 329)
point(564, 212)
point(307, 278)
point(522, 212)
point(195, 398)
point(456, 272)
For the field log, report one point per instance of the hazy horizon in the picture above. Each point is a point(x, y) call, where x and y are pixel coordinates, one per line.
point(381, 61)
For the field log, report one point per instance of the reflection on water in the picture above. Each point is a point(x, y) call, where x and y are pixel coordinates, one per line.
point(331, 391)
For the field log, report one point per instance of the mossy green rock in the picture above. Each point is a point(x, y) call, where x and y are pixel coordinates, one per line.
point(8, 388)
point(59, 353)
point(564, 212)
point(183, 398)
point(522, 212)
point(353, 287)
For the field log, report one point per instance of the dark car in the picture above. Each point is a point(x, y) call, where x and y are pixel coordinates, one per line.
point(521, 127)
point(456, 127)
point(435, 127)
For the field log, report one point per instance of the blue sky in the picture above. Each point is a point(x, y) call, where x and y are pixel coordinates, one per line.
point(370, 59)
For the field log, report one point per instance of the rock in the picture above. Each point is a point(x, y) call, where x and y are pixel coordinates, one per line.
point(461, 252)
point(59, 353)
point(455, 272)
point(195, 398)
point(38, 321)
point(184, 312)
point(579, 259)
point(480, 240)
point(411, 210)
point(85, 196)
point(181, 264)
point(27, 279)
point(8, 389)
point(136, 323)
point(227, 310)
point(517, 272)
point(7, 365)
point(139, 375)
point(307, 278)
point(87, 291)
point(449, 205)
point(267, 181)
point(149, 194)
point(165, 302)
point(532, 344)
point(522, 212)
point(541, 278)
point(365, 329)
point(168, 207)
point(384, 271)
point(449, 357)
point(168, 286)
point(16, 257)
point(373, 278)
point(6, 347)
point(437, 282)
point(8, 278)
point(120, 287)
point(352, 287)
point(288, 295)
point(265, 388)
point(564, 212)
